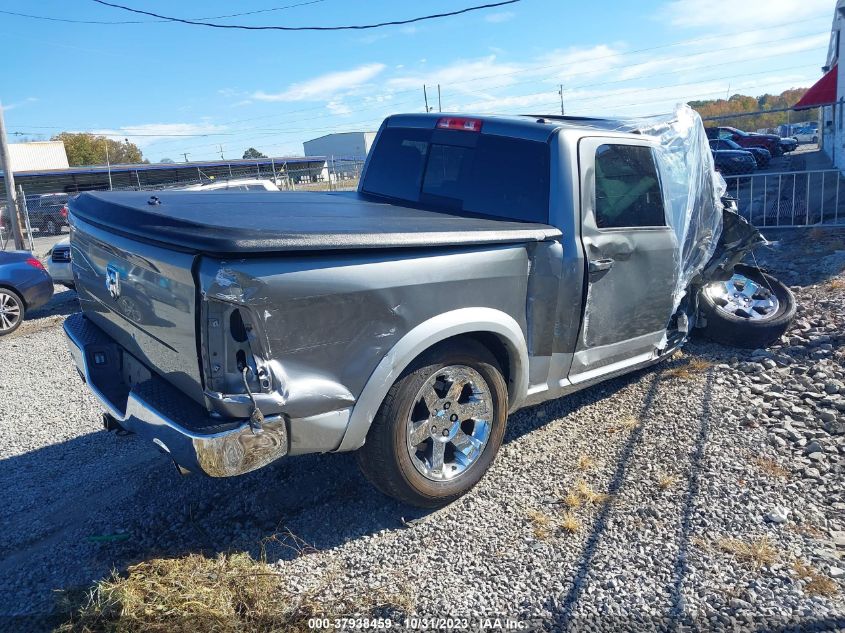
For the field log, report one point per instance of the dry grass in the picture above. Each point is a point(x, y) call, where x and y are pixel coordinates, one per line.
point(690, 369)
point(628, 423)
point(818, 584)
point(589, 496)
point(667, 480)
point(757, 553)
point(571, 500)
point(771, 467)
point(585, 462)
point(229, 593)
point(541, 524)
point(570, 523)
point(807, 529)
point(836, 284)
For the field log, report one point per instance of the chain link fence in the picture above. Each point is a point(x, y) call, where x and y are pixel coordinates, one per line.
point(43, 200)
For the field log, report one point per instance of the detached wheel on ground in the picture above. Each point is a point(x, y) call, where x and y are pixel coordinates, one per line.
point(439, 427)
point(12, 311)
point(751, 309)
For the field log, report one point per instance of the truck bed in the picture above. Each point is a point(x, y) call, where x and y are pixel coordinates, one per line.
point(262, 222)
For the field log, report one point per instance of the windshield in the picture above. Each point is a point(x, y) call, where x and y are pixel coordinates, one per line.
point(455, 170)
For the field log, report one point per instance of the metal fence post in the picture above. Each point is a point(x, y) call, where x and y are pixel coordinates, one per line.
point(794, 187)
point(823, 194)
point(25, 214)
point(807, 202)
point(780, 182)
point(765, 199)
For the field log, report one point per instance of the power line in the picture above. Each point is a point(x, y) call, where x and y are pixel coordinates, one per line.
point(212, 17)
point(354, 27)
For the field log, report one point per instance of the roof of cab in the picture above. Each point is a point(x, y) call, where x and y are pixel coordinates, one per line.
point(538, 127)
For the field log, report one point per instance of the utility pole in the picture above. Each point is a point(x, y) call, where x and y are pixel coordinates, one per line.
point(560, 92)
point(425, 96)
point(185, 154)
point(439, 106)
point(9, 181)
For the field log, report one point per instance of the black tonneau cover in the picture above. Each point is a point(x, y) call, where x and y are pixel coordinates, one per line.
point(238, 222)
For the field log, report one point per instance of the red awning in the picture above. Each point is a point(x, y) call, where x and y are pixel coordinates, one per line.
point(823, 92)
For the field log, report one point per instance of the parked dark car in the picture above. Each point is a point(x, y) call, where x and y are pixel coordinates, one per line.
point(788, 144)
point(24, 285)
point(761, 155)
point(48, 212)
point(746, 139)
point(733, 161)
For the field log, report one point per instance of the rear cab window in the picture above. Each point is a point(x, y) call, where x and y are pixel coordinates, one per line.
point(462, 171)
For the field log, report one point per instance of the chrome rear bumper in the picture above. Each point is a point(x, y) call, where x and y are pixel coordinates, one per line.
point(157, 411)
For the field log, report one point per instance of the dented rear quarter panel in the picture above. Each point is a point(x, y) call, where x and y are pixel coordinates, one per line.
point(326, 320)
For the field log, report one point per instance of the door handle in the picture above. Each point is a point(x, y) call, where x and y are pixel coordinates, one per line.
point(598, 265)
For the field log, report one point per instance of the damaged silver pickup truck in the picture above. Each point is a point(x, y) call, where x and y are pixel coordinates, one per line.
point(483, 265)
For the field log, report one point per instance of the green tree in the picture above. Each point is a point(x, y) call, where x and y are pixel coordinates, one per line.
point(90, 149)
point(167, 160)
point(253, 153)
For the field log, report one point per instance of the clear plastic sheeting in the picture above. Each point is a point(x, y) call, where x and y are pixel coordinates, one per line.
point(692, 188)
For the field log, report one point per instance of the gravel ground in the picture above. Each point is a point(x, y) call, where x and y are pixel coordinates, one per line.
point(706, 494)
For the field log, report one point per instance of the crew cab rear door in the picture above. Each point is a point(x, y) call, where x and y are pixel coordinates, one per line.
point(630, 256)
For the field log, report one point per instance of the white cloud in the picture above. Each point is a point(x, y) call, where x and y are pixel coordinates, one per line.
point(151, 133)
point(19, 104)
point(325, 86)
point(461, 75)
point(498, 18)
point(338, 107)
point(730, 13)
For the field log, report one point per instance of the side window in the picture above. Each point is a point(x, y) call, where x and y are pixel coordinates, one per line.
point(627, 187)
point(725, 134)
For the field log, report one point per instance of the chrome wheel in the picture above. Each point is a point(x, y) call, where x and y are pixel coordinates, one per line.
point(744, 298)
point(449, 423)
point(10, 312)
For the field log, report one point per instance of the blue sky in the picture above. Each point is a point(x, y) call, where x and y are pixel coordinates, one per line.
point(174, 88)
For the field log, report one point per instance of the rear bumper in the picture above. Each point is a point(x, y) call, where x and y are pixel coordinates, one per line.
point(158, 412)
point(38, 293)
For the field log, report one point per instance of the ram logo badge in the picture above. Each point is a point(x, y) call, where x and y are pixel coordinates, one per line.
point(113, 281)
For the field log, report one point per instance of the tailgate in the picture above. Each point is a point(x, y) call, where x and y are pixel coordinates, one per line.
point(144, 297)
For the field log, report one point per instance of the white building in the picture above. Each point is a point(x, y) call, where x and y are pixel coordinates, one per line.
point(829, 93)
point(37, 156)
point(353, 145)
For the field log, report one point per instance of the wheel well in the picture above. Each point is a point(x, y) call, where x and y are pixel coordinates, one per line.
point(496, 346)
point(17, 292)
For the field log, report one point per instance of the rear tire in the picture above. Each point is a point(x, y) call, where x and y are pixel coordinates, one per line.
point(451, 402)
point(751, 321)
point(12, 311)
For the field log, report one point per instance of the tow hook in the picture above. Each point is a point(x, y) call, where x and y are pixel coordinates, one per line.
point(256, 418)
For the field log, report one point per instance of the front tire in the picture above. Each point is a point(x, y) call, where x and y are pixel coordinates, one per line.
point(751, 309)
point(439, 427)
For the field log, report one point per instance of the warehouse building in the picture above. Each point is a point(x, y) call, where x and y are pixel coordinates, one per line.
point(345, 145)
point(37, 155)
